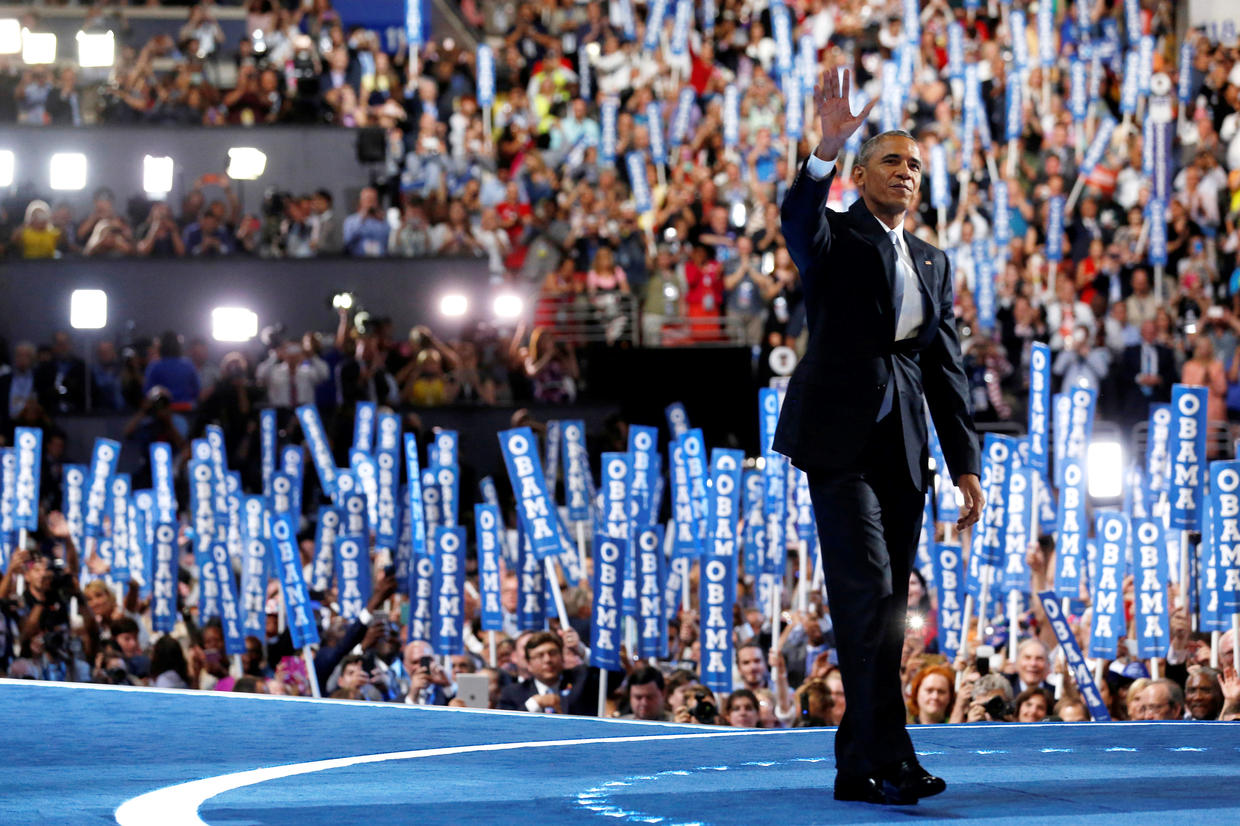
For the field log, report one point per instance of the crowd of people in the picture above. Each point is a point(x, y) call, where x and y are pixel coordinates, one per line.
point(533, 197)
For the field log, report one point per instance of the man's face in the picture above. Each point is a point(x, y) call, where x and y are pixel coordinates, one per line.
point(1032, 665)
point(1149, 332)
point(646, 701)
point(753, 669)
point(890, 178)
point(23, 358)
point(212, 639)
point(129, 644)
point(1154, 703)
point(353, 676)
point(1202, 696)
point(546, 662)
point(366, 200)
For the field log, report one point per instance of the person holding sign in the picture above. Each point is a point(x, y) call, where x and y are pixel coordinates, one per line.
point(879, 301)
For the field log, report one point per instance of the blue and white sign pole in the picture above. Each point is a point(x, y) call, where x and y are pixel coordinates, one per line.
point(1187, 449)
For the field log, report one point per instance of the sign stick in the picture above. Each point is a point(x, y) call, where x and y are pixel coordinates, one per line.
point(963, 654)
point(983, 603)
point(1235, 641)
point(1214, 639)
point(687, 563)
point(1156, 667)
point(1182, 602)
point(775, 615)
point(21, 580)
point(602, 692)
point(308, 658)
point(554, 579)
point(491, 645)
point(1011, 158)
point(803, 575)
point(1158, 282)
point(1077, 186)
point(1013, 623)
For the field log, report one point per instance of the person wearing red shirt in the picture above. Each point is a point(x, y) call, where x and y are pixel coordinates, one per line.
point(704, 298)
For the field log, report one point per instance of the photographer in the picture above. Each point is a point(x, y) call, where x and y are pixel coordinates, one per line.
point(49, 650)
point(698, 706)
point(365, 231)
point(427, 683)
point(990, 700)
point(159, 236)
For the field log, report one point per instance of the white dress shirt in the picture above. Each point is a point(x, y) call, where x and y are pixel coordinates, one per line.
point(911, 314)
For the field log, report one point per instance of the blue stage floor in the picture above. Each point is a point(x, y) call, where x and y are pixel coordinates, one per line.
point(82, 754)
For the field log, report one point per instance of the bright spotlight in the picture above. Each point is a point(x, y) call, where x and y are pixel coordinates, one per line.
point(96, 50)
point(739, 214)
point(245, 163)
point(342, 301)
point(38, 47)
point(88, 309)
point(1104, 465)
point(8, 164)
point(453, 305)
point(157, 175)
point(68, 171)
point(508, 305)
point(233, 324)
point(10, 36)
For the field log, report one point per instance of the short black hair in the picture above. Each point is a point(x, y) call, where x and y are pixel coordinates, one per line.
point(868, 148)
point(124, 625)
point(645, 675)
point(542, 638)
point(324, 194)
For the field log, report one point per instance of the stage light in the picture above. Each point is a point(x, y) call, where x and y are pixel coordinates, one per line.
point(10, 35)
point(508, 305)
point(342, 301)
point(739, 214)
point(157, 175)
point(96, 50)
point(233, 324)
point(245, 163)
point(88, 309)
point(38, 47)
point(453, 305)
point(8, 165)
point(1104, 463)
point(68, 171)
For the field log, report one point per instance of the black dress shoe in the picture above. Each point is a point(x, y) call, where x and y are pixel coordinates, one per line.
point(865, 789)
point(914, 781)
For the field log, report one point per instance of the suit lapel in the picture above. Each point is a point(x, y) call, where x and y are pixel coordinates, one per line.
point(866, 225)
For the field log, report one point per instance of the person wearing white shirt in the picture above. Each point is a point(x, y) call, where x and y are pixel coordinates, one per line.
point(290, 375)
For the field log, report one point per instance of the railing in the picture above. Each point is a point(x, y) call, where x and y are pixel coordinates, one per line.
point(616, 318)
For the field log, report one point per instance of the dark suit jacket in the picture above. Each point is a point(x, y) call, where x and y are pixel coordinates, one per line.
point(794, 658)
point(581, 684)
point(1136, 403)
point(848, 268)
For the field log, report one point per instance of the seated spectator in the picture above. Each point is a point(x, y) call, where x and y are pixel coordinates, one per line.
point(740, 710)
point(932, 694)
point(1071, 710)
point(748, 290)
point(207, 237)
point(550, 687)
point(704, 299)
point(646, 697)
point(1033, 705)
point(1203, 694)
point(1161, 699)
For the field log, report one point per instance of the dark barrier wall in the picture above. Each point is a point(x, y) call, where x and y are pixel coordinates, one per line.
point(299, 159)
point(180, 294)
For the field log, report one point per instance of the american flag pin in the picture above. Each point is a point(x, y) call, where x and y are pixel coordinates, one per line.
point(927, 263)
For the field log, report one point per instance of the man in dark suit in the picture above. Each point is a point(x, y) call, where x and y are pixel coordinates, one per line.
point(882, 345)
point(1146, 373)
point(551, 687)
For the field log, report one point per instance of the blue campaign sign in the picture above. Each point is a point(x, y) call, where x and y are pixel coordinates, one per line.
point(267, 438)
point(677, 419)
point(367, 474)
point(684, 112)
point(925, 539)
point(320, 452)
point(725, 494)
point(1019, 28)
point(387, 462)
point(635, 164)
point(285, 561)
point(1054, 228)
point(1157, 457)
point(945, 500)
point(352, 503)
point(644, 455)
point(1047, 46)
point(1062, 412)
point(1132, 20)
point(570, 560)
point(807, 527)
point(551, 462)
point(949, 579)
point(1151, 621)
point(608, 110)
point(230, 614)
point(1130, 88)
point(1158, 232)
point(1071, 529)
point(617, 471)
point(253, 602)
point(1184, 89)
point(609, 555)
point(717, 597)
point(281, 493)
point(530, 592)
point(1098, 146)
point(1225, 539)
point(139, 549)
point(651, 620)
point(1080, 423)
point(680, 28)
point(940, 194)
point(444, 449)
point(402, 560)
point(1107, 593)
point(73, 502)
point(794, 119)
point(654, 24)
point(485, 66)
point(955, 51)
point(161, 482)
point(686, 539)
point(984, 280)
point(576, 470)
point(118, 513)
point(421, 587)
point(1020, 530)
point(352, 567)
point(1014, 111)
point(1187, 447)
point(432, 511)
point(534, 505)
point(448, 628)
point(487, 530)
point(731, 115)
point(1077, 666)
point(448, 483)
point(1145, 66)
point(164, 578)
point(998, 453)
point(102, 466)
point(1039, 404)
point(413, 495)
point(781, 26)
point(8, 486)
point(28, 442)
point(364, 422)
point(326, 531)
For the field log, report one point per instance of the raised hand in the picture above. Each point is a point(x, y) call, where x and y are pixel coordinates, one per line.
point(835, 118)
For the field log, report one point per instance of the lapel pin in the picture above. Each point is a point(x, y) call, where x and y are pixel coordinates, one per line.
point(927, 263)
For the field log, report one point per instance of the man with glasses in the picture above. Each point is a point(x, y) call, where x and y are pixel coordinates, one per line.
point(1160, 700)
point(551, 688)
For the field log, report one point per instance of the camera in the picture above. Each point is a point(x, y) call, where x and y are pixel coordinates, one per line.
point(997, 707)
point(704, 711)
point(62, 581)
point(426, 662)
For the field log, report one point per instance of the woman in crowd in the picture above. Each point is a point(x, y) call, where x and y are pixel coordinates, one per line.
point(932, 694)
point(741, 709)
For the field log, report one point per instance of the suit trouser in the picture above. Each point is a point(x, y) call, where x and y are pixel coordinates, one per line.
point(869, 519)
